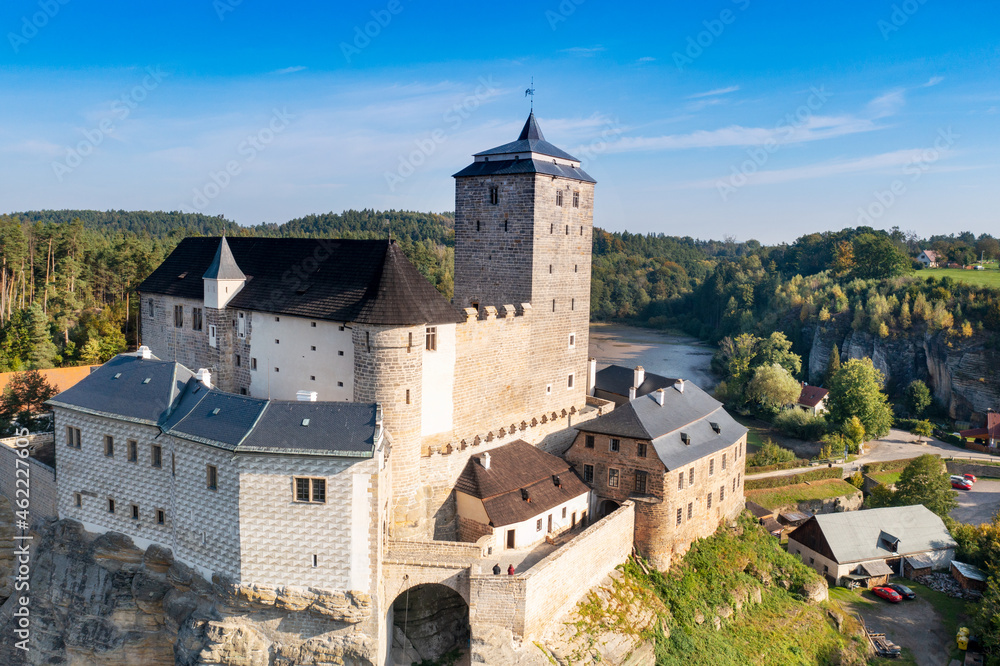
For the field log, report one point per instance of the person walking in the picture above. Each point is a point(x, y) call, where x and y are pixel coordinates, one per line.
point(510, 570)
point(496, 569)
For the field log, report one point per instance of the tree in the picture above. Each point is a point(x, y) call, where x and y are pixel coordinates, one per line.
point(876, 257)
point(772, 388)
point(854, 434)
point(776, 348)
point(918, 397)
point(24, 396)
point(855, 390)
point(922, 429)
point(925, 480)
point(834, 363)
point(43, 351)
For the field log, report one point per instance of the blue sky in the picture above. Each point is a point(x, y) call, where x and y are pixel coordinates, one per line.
point(733, 117)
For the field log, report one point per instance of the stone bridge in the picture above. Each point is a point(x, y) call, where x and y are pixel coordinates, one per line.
point(407, 564)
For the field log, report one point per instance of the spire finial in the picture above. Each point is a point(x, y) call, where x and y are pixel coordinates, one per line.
point(530, 92)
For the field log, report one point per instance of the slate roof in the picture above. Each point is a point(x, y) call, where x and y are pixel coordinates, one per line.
point(530, 140)
point(876, 568)
point(812, 395)
point(223, 266)
point(618, 379)
point(363, 281)
point(691, 413)
point(759, 511)
point(183, 407)
point(854, 536)
point(514, 467)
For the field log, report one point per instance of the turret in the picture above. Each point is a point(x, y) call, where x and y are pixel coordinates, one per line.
point(223, 279)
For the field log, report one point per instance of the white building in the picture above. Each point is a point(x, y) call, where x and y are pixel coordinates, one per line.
point(928, 258)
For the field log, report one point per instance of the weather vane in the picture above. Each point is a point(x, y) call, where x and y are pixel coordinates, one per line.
point(530, 92)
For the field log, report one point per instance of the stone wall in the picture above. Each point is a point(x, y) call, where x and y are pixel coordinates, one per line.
point(959, 467)
point(41, 478)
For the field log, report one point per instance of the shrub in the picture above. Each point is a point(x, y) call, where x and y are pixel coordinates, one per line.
point(887, 465)
point(857, 480)
point(792, 479)
point(770, 454)
point(801, 425)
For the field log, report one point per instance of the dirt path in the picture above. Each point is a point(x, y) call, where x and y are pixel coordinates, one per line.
point(911, 624)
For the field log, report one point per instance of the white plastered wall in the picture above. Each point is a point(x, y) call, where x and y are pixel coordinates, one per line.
point(438, 383)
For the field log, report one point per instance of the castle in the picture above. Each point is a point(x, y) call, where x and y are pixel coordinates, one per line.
point(312, 412)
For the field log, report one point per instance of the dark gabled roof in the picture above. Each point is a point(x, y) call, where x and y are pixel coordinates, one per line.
point(183, 407)
point(812, 395)
point(758, 511)
point(364, 281)
point(690, 413)
point(618, 379)
point(223, 266)
point(128, 387)
point(515, 467)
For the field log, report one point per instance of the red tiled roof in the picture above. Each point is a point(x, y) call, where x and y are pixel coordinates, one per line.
point(991, 431)
point(811, 395)
point(931, 254)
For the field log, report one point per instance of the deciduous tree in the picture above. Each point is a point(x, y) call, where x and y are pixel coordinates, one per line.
point(855, 390)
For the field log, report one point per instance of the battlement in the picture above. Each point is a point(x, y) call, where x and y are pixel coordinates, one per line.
point(490, 313)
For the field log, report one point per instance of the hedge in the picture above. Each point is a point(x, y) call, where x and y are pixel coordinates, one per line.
point(792, 479)
point(791, 464)
point(887, 465)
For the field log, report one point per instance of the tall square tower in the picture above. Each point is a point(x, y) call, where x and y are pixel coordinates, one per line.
point(523, 235)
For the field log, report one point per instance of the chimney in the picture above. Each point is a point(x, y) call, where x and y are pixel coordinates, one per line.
point(306, 396)
point(660, 396)
point(631, 393)
point(484, 460)
point(145, 352)
point(204, 376)
point(638, 376)
point(592, 376)
point(679, 385)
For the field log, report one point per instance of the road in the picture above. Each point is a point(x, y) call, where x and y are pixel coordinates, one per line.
point(980, 504)
point(898, 444)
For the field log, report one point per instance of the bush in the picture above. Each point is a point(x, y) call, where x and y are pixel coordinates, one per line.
point(857, 480)
point(792, 479)
point(792, 464)
point(887, 465)
point(801, 425)
point(770, 454)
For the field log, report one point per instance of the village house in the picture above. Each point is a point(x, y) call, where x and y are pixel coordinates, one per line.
point(988, 435)
point(677, 454)
point(812, 399)
point(928, 258)
point(867, 547)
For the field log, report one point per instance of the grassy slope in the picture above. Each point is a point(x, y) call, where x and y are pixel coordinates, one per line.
point(785, 495)
point(987, 278)
point(886, 478)
point(782, 629)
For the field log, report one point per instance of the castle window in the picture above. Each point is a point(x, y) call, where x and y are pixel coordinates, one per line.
point(691, 476)
point(477, 225)
point(340, 383)
point(340, 353)
point(538, 525)
point(680, 481)
point(550, 269)
point(77, 499)
point(680, 515)
point(72, 437)
point(243, 390)
point(161, 516)
point(722, 493)
point(581, 229)
point(173, 465)
point(548, 389)
point(567, 230)
point(559, 197)
point(711, 467)
point(640, 450)
point(315, 560)
point(494, 197)
point(241, 325)
point(564, 512)
point(157, 455)
point(690, 510)
point(614, 445)
point(409, 342)
point(407, 396)
point(553, 305)
point(570, 381)
point(552, 228)
point(133, 450)
point(277, 369)
point(723, 461)
point(277, 319)
point(588, 441)
point(277, 341)
point(152, 309)
point(312, 324)
point(312, 347)
point(196, 319)
point(708, 501)
point(178, 316)
point(588, 473)
point(211, 477)
point(576, 199)
point(572, 340)
point(312, 378)
point(576, 268)
point(109, 446)
point(640, 482)
point(310, 490)
point(431, 338)
point(239, 361)
point(368, 337)
point(734, 485)
point(572, 304)
point(135, 512)
point(505, 227)
point(111, 505)
point(613, 475)
point(253, 363)
point(341, 328)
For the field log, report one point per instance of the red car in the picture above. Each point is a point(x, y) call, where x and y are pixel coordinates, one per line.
point(971, 478)
point(961, 484)
point(888, 594)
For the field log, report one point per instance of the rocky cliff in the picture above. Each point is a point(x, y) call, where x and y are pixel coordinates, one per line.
point(963, 373)
point(100, 599)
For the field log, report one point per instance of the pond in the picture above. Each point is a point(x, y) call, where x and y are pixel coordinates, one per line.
point(660, 352)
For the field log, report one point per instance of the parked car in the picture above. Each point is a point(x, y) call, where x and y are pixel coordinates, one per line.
point(961, 484)
point(887, 593)
point(971, 478)
point(902, 590)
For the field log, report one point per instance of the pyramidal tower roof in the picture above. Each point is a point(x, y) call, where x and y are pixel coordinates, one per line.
point(530, 153)
point(224, 266)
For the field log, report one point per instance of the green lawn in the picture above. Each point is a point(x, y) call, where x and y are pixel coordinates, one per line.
point(987, 278)
point(886, 478)
point(773, 498)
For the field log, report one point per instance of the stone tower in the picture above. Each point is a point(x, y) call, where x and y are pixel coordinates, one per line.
point(523, 235)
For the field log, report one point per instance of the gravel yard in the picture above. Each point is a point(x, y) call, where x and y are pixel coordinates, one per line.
point(980, 504)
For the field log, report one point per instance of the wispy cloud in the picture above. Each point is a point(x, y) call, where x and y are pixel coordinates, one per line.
point(646, 59)
point(289, 70)
point(583, 50)
point(934, 80)
point(713, 93)
point(888, 104)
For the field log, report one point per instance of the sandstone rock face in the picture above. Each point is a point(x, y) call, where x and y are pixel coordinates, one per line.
point(816, 591)
point(100, 599)
point(958, 370)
